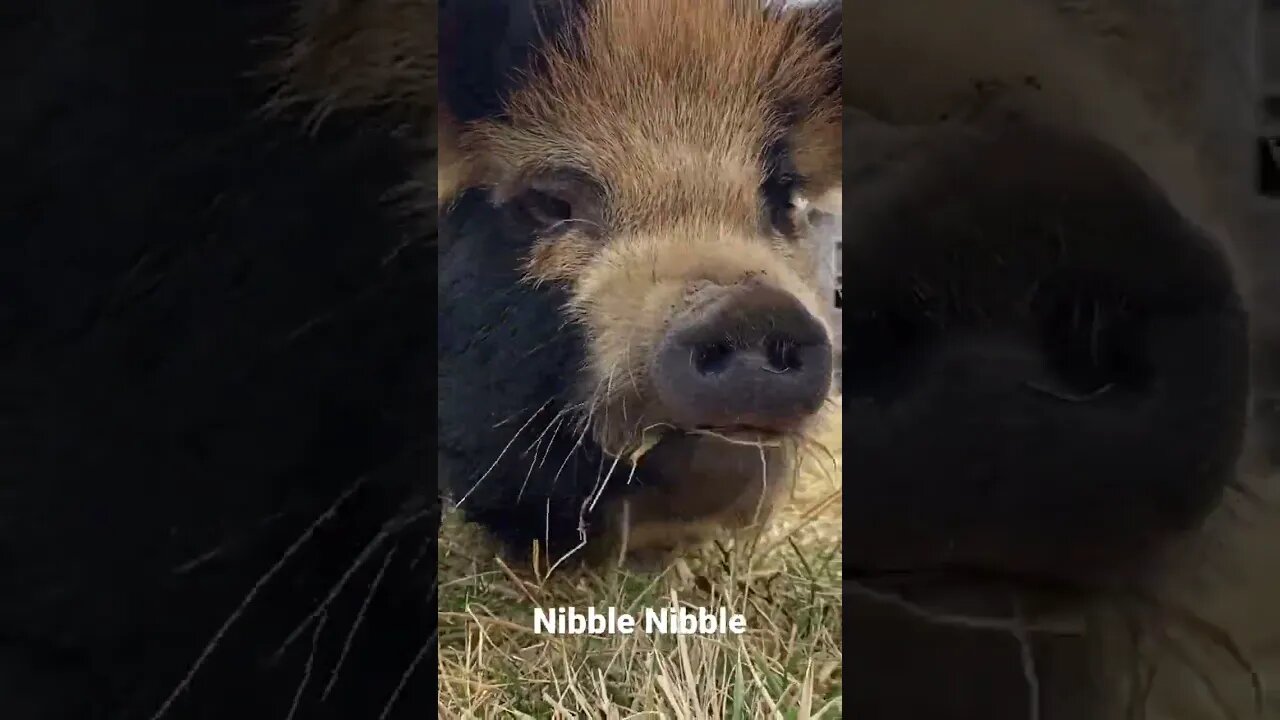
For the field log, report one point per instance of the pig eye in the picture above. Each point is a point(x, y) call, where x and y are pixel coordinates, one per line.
point(780, 202)
point(779, 190)
point(555, 203)
point(542, 209)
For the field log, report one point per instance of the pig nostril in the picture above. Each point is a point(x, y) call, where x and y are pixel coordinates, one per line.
point(712, 358)
point(781, 355)
point(1094, 344)
point(753, 357)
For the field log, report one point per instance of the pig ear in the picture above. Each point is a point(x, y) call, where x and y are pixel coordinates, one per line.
point(824, 20)
point(829, 27)
point(816, 140)
point(487, 47)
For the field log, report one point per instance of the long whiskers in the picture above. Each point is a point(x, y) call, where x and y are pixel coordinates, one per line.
point(553, 426)
point(408, 673)
point(355, 626)
point(266, 577)
point(501, 454)
point(587, 507)
point(388, 530)
point(307, 668)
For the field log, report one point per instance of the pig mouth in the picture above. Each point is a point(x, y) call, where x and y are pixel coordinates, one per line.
point(701, 473)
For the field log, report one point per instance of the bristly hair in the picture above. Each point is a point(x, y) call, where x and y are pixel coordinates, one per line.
point(623, 73)
point(376, 57)
point(347, 54)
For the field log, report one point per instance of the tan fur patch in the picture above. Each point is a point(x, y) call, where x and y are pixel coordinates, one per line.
point(638, 282)
point(670, 102)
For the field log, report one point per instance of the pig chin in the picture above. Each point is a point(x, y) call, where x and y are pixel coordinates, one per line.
point(693, 476)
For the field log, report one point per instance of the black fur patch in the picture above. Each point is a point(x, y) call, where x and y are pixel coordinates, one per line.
point(211, 326)
point(509, 366)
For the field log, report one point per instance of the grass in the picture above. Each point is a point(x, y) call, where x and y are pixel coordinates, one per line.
point(786, 665)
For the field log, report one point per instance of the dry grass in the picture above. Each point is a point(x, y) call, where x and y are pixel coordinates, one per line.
point(787, 664)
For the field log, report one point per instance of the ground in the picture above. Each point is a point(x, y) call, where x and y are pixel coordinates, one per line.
point(787, 664)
